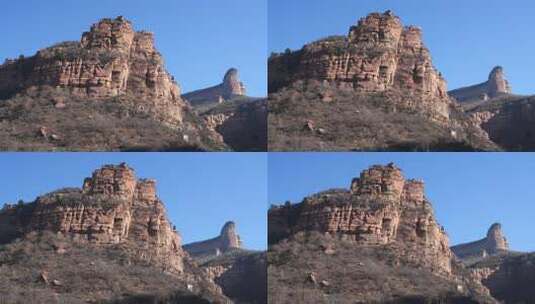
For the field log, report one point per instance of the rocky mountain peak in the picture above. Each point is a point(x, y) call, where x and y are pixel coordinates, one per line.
point(495, 86)
point(382, 208)
point(108, 33)
point(227, 240)
point(232, 86)
point(379, 54)
point(111, 59)
point(229, 236)
point(496, 239)
point(495, 242)
point(228, 89)
point(113, 207)
point(497, 83)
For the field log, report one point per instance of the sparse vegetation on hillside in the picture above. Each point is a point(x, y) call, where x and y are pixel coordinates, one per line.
point(48, 268)
point(310, 115)
point(302, 270)
point(32, 121)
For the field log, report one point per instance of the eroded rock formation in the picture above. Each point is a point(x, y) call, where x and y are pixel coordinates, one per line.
point(113, 208)
point(230, 87)
point(227, 240)
point(112, 59)
point(495, 86)
point(381, 208)
point(378, 55)
point(495, 242)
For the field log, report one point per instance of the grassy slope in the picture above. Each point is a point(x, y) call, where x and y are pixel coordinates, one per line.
point(87, 274)
point(353, 121)
point(90, 125)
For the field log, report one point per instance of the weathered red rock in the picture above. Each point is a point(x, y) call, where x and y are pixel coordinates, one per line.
point(230, 87)
point(382, 208)
point(378, 55)
point(112, 208)
point(495, 242)
point(495, 86)
point(112, 59)
point(227, 240)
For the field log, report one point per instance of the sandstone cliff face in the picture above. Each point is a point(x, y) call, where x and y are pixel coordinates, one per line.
point(494, 243)
point(110, 60)
point(113, 208)
point(230, 87)
point(227, 240)
point(382, 208)
point(378, 55)
point(496, 85)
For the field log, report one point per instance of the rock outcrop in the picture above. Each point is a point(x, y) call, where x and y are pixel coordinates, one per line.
point(109, 91)
point(110, 60)
point(377, 242)
point(378, 55)
point(494, 243)
point(227, 240)
point(496, 85)
point(113, 208)
point(366, 92)
point(381, 208)
point(231, 87)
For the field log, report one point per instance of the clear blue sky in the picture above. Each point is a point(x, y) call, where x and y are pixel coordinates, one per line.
point(466, 37)
point(201, 191)
point(469, 192)
point(199, 39)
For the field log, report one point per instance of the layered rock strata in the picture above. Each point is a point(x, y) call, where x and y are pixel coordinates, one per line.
point(113, 208)
point(495, 242)
point(112, 59)
point(227, 240)
point(495, 86)
point(382, 208)
point(230, 87)
point(378, 55)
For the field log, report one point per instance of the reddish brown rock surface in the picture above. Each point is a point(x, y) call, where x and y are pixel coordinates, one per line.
point(379, 54)
point(230, 88)
point(111, 60)
point(375, 89)
point(494, 243)
point(378, 242)
point(382, 208)
point(495, 86)
point(110, 91)
point(113, 208)
point(227, 240)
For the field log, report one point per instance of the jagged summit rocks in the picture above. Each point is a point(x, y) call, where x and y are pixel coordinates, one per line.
point(494, 243)
point(376, 242)
point(113, 72)
point(377, 55)
point(112, 59)
point(401, 215)
point(227, 240)
point(113, 207)
point(230, 88)
point(497, 85)
point(112, 229)
point(350, 86)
